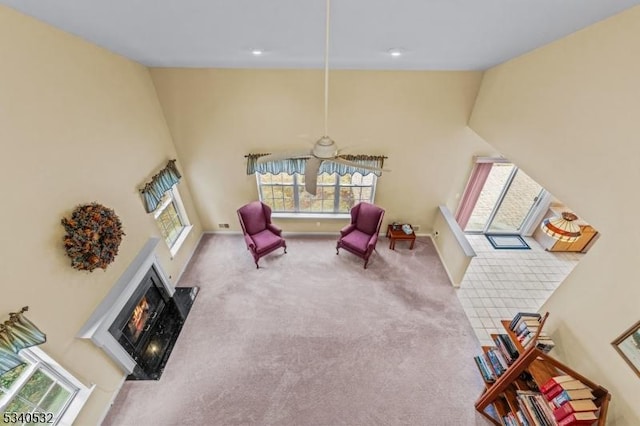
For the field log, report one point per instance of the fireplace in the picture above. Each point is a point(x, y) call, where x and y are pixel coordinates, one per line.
point(148, 326)
point(139, 321)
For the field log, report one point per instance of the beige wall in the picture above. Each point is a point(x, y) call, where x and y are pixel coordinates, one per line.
point(568, 115)
point(452, 245)
point(77, 125)
point(417, 119)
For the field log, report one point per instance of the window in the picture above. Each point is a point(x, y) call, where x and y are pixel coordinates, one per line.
point(335, 194)
point(172, 220)
point(42, 386)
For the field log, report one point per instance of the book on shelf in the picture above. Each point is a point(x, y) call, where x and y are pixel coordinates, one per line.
point(506, 346)
point(510, 420)
point(500, 357)
point(570, 385)
point(545, 408)
point(555, 381)
point(571, 407)
point(579, 419)
point(526, 335)
point(505, 354)
point(495, 364)
point(545, 345)
point(535, 408)
point(543, 342)
point(527, 315)
point(571, 395)
point(526, 326)
point(496, 371)
point(487, 374)
point(522, 419)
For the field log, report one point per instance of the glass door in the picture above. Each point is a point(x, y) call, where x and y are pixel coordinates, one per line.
point(508, 198)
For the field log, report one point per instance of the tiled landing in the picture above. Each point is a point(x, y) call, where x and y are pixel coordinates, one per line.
point(500, 283)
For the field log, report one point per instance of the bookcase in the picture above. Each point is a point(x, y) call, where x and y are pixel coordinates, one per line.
point(538, 368)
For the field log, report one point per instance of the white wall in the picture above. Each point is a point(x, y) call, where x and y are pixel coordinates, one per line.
point(568, 115)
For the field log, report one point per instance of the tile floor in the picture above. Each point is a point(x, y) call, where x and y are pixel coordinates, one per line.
point(500, 283)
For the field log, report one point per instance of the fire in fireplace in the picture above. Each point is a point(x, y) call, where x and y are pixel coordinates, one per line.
point(138, 319)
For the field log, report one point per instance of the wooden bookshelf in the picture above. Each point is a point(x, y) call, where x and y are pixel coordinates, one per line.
point(501, 394)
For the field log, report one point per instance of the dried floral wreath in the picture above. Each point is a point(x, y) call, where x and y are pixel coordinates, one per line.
point(94, 233)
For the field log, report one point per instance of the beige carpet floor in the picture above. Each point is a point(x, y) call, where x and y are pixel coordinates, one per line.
point(312, 338)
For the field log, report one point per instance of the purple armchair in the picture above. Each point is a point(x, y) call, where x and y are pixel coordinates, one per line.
point(262, 237)
point(361, 235)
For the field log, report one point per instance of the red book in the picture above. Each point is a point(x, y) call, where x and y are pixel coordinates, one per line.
point(555, 381)
point(557, 389)
point(570, 407)
point(578, 419)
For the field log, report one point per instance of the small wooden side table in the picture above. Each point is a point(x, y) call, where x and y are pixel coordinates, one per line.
point(398, 234)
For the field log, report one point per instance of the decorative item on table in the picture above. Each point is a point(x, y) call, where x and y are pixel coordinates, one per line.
point(94, 233)
point(562, 228)
point(395, 226)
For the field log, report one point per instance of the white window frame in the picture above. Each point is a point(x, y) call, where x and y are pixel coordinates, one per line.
point(315, 215)
point(37, 359)
point(174, 197)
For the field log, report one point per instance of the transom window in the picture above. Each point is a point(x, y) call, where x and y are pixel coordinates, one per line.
point(40, 391)
point(285, 193)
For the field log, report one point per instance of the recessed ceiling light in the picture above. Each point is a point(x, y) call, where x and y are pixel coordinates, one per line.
point(257, 52)
point(395, 52)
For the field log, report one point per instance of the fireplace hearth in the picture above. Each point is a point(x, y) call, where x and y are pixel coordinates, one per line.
point(149, 324)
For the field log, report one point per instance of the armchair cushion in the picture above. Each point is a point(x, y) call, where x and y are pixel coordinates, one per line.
point(357, 240)
point(266, 240)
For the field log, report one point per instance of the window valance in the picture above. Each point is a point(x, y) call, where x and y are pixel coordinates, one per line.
point(297, 165)
point(17, 333)
point(163, 181)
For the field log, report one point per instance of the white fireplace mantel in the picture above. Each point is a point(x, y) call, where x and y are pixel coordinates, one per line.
point(97, 326)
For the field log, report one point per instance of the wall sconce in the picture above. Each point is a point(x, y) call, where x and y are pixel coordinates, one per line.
point(16, 334)
point(562, 228)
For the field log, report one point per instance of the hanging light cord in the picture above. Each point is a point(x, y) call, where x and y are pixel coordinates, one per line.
point(326, 72)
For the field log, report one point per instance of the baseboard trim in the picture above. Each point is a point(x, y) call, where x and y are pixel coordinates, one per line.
point(223, 232)
point(302, 234)
point(115, 393)
point(311, 234)
point(444, 265)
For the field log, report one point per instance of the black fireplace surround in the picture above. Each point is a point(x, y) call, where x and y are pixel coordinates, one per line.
point(148, 325)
